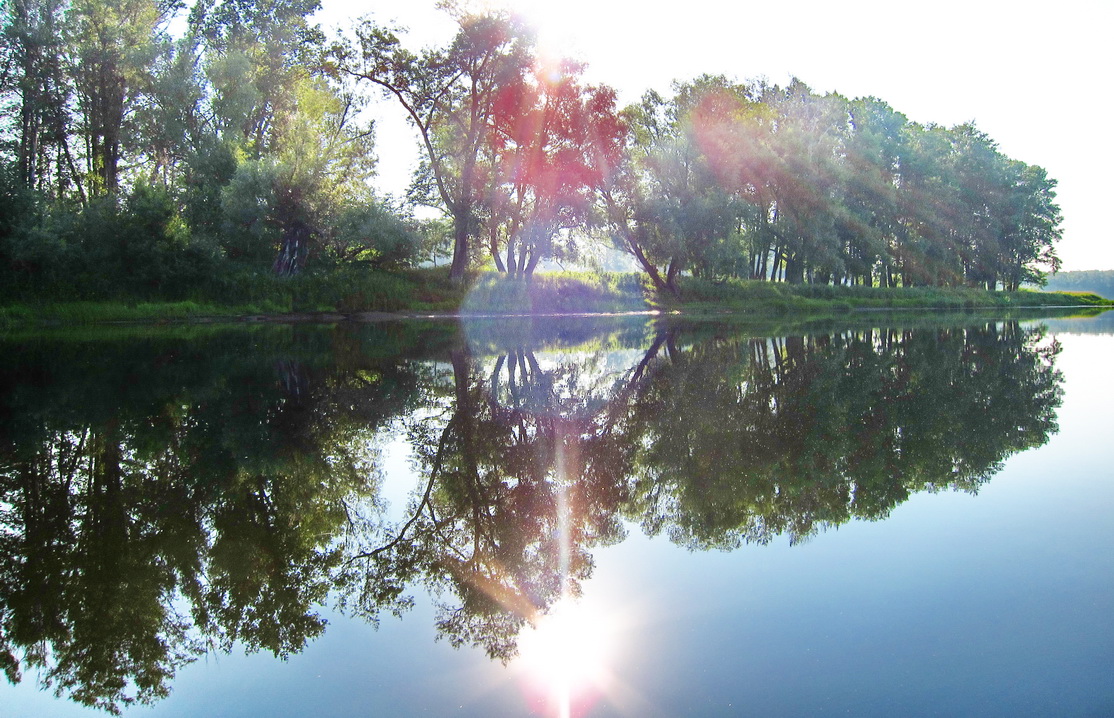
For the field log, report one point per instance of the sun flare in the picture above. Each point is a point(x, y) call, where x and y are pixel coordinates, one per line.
point(559, 27)
point(565, 658)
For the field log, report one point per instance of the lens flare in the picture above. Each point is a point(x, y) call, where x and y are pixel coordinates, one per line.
point(565, 658)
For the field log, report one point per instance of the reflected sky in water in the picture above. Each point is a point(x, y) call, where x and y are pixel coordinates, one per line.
point(994, 599)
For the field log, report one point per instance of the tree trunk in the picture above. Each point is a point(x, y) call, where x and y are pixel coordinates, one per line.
point(794, 270)
point(671, 278)
point(292, 253)
point(460, 247)
point(532, 266)
point(493, 243)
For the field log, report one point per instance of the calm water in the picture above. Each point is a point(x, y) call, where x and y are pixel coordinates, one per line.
point(610, 517)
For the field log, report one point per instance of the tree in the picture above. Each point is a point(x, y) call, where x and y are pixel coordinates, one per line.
point(978, 170)
point(928, 198)
point(808, 140)
point(1031, 227)
point(674, 203)
point(282, 172)
point(451, 97)
point(32, 46)
point(288, 204)
point(170, 126)
point(637, 224)
point(547, 155)
point(869, 222)
point(257, 57)
point(112, 48)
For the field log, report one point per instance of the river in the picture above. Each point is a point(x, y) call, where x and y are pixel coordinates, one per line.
point(894, 514)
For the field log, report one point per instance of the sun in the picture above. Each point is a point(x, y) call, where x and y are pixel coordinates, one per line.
point(560, 26)
point(565, 658)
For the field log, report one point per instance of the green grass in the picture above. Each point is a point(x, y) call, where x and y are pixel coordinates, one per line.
point(98, 312)
point(344, 290)
point(351, 291)
point(764, 297)
point(254, 293)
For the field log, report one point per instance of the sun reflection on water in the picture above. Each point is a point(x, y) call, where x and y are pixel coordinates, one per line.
point(565, 658)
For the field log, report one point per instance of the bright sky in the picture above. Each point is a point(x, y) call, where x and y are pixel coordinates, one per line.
point(1031, 75)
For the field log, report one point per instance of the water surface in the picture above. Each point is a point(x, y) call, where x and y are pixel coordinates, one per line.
point(621, 516)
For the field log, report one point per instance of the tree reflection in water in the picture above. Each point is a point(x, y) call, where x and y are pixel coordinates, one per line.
point(161, 498)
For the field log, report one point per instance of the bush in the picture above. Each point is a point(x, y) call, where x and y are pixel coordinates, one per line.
point(137, 247)
point(372, 235)
point(249, 232)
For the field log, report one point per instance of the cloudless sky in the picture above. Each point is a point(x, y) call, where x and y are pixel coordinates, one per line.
point(1031, 75)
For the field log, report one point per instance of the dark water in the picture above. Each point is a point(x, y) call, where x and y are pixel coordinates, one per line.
point(610, 517)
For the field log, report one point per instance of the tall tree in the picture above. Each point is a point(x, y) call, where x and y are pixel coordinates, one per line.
point(113, 46)
point(809, 142)
point(450, 96)
point(286, 205)
point(869, 220)
point(927, 197)
point(636, 216)
point(673, 205)
point(548, 153)
point(1031, 227)
point(257, 55)
point(32, 48)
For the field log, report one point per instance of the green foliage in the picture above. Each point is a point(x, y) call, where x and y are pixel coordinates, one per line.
point(258, 55)
point(779, 183)
point(112, 48)
point(209, 170)
point(745, 440)
point(19, 212)
point(452, 96)
point(249, 202)
point(137, 245)
point(371, 235)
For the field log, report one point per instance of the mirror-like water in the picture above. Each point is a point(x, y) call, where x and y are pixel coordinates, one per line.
point(617, 516)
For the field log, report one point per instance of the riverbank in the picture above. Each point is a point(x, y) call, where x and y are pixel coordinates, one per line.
point(429, 294)
point(746, 296)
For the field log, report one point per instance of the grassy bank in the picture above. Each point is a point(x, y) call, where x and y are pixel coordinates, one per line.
point(429, 291)
point(754, 296)
point(254, 294)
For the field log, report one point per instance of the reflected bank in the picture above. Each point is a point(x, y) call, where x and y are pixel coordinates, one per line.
point(194, 491)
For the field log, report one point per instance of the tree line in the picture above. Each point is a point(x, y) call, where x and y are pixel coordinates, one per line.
point(138, 157)
point(1095, 280)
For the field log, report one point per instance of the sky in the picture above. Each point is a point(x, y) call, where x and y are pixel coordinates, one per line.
point(1027, 73)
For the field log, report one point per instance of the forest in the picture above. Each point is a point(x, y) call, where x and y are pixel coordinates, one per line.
point(154, 150)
